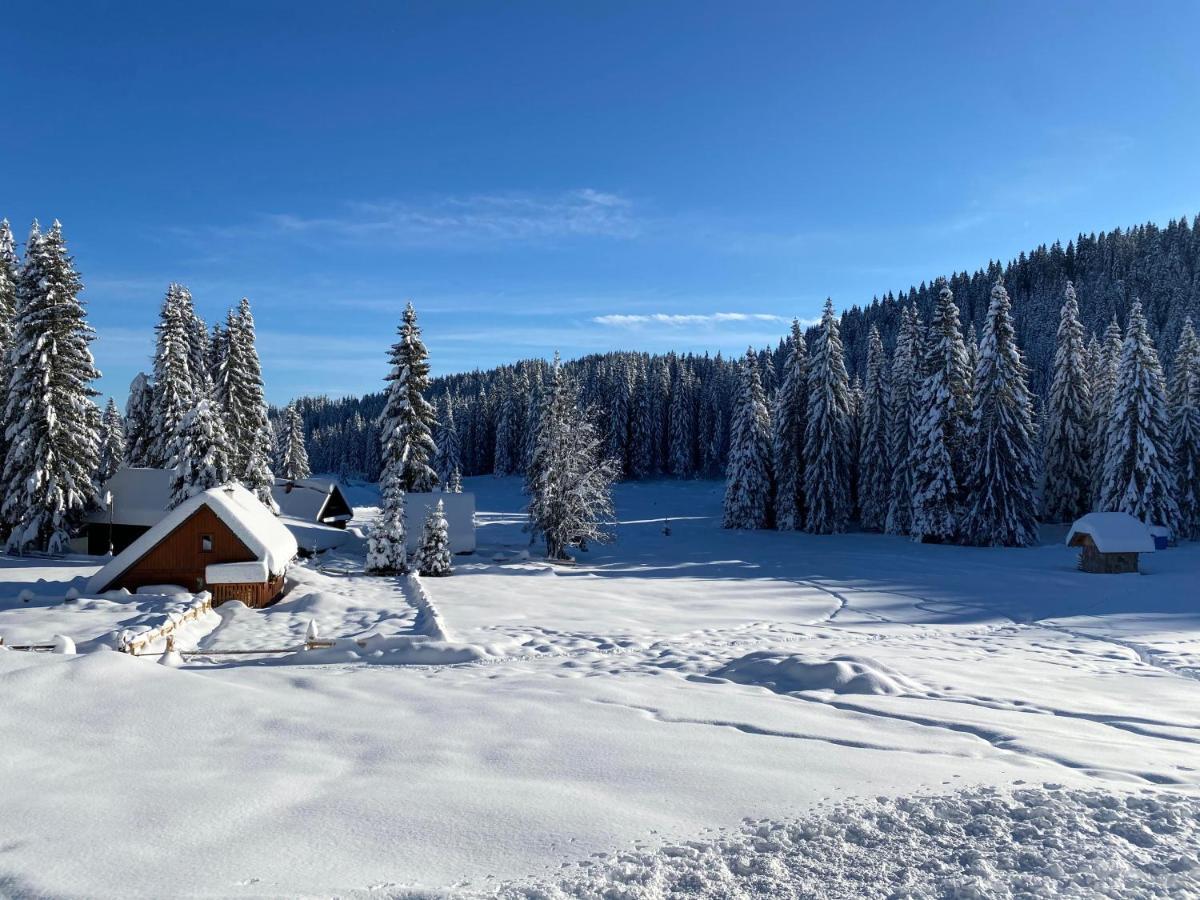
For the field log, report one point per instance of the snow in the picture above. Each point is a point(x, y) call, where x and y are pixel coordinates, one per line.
point(253, 523)
point(253, 572)
point(140, 497)
point(1114, 532)
point(605, 729)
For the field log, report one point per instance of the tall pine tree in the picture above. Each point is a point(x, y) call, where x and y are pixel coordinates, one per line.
point(112, 442)
point(748, 475)
point(1067, 493)
point(408, 419)
point(1185, 431)
point(172, 375)
point(1001, 509)
point(293, 455)
point(874, 469)
point(245, 407)
point(827, 444)
point(904, 416)
point(1137, 458)
point(787, 438)
point(139, 423)
point(52, 423)
point(199, 458)
point(447, 462)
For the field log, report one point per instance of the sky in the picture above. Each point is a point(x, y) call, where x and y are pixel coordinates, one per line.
point(580, 176)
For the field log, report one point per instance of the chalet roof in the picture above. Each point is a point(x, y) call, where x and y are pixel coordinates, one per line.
point(304, 498)
point(140, 497)
point(245, 515)
point(1113, 532)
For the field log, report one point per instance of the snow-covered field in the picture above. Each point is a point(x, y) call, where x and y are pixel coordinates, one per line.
point(607, 729)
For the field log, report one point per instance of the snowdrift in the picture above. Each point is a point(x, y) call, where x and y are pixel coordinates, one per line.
point(788, 672)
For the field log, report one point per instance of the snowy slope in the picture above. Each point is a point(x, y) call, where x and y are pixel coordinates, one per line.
point(666, 686)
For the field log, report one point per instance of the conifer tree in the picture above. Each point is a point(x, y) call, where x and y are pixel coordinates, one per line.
point(569, 484)
point(172, 375)
point(1001, 509)
point(904, 420)
point(748, 473)
point(1185, 431)
point(245, 407)
point(827, 444)
point(874, 470)
point(112, 442)
point(682, 426)
point(9, 268)
point(448, 459)
point(139, 423)
point(199, 458)
point(408, 419)
point(508, 449)
point(293, 455)
point(51, 422)
point(1068, 475)
point(949, 361)
point(787, 434)
point(1137, 458)
point(434, 559)
point(641, 437)
point(1104, 385)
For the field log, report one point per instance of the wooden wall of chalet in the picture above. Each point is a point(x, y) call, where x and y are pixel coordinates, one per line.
point(180, 558)
point(1092, 560)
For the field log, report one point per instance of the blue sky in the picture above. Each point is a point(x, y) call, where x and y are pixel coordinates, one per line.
point(580, 176)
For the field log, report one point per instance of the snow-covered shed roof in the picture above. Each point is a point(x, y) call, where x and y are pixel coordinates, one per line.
point(1113, 532)
point(245, 515)
point(140, 497)
point(306, 498)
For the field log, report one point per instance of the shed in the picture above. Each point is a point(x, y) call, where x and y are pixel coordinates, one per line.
point(1110, 542)
point(224, 541)
point(140, 498)
point(317, 500)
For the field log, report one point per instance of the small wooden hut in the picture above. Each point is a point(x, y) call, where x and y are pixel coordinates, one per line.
point(1110, 542)
point(316, 500)
point(224, 541)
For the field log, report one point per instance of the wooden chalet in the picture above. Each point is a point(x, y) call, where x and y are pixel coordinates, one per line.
point(1110, 542)
point(224, 541)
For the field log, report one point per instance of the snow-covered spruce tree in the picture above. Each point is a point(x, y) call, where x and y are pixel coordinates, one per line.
point(904, 419)
point(789, 414)
point(508, 454)
point(199, 348)
point(748, 472)
point(139, 422)
point(408, 418)
point(51, 422)
point(448, 459)
point(1137, 457)
point(386, 550)
point(293, 455)
point(1185, 431)
point(199, 458)
point(112, 442)
point(874, 467)
point(948, 359)
point(245, 408)
point(1001, 511)
point(9, 267)
point(682, 426)
point(569, 483)
point(1104, 385)
point(172, 375)
point(827, 432)
point(433, 560)
point(854, 428)
point(1067, 491)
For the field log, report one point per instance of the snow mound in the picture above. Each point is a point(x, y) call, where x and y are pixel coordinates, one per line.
point(788, 672)
point(976, 843)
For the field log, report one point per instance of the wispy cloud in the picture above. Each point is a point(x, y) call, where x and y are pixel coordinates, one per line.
point(682, 320)
point(467, 221)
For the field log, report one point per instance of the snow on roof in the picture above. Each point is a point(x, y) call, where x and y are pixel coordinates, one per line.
point(1113, 532)
point(139, 496)
point(303, 498)
point(245, 515)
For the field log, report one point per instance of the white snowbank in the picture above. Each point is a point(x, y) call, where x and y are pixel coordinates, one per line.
point(973, 844)
point(786, 672)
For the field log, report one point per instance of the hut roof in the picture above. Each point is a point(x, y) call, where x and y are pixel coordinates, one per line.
point(1112, 532)
point(243, 513)
point(304, 498)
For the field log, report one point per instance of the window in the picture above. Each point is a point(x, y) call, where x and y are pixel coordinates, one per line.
point(206, 543)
